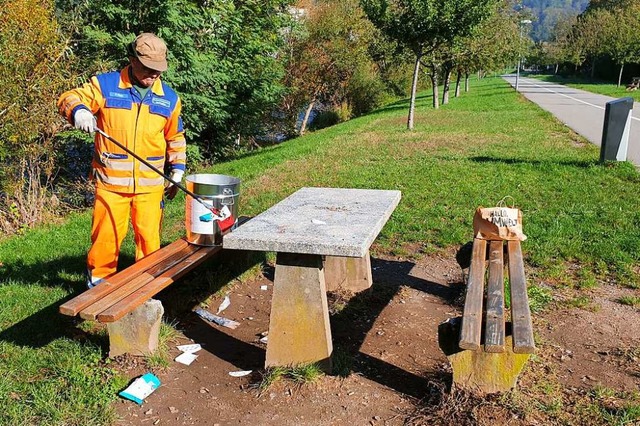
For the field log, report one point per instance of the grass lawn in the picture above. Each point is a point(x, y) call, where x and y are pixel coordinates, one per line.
point(488, 144)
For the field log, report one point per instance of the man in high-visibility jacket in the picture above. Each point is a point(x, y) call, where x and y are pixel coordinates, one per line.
point(141, 112)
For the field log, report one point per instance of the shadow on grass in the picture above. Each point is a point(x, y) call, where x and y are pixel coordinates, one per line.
point(574, 163)
point(48, 324)
point(52, 273)
point(351, 326)
point(400, 105)
point(46, 274)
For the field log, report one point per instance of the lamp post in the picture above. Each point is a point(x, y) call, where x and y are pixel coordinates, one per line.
point(522, 24)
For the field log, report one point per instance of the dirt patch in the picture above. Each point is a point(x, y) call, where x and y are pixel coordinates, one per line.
point(389, 368)
point(598, 345)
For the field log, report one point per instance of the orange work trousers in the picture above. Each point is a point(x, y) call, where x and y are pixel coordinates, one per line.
point(111, 214)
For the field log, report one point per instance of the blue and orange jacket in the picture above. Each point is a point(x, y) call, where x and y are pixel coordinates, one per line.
point(150, 127)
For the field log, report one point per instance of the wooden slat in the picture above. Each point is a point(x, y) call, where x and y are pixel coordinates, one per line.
point(472, 315)
point(138, 297)
point(520, 315)
point(78, 303)
point(92, 311)
point(494, 325)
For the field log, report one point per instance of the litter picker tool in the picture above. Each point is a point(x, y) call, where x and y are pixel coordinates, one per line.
point(223, 222)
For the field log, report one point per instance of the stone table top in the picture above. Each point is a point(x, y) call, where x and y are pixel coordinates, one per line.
point(322, 221)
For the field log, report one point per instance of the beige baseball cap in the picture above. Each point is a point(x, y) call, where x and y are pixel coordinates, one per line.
point(151, 51)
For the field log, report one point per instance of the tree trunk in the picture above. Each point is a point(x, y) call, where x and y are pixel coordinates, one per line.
point(434, 84)
point(555, 71)
point(620, 74)
point(414, 88)
point(593, 69)
point(458, 78)
point(305, 120)
point(447, 83)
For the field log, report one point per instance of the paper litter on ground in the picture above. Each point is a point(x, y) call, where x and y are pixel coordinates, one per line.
point(141, 388)
point(264, 339)
point(224, 305)
point(225, 322)
point(186, 358)
point(264, 287)
point(318, 222)
point(239, 373)
point(194, 347)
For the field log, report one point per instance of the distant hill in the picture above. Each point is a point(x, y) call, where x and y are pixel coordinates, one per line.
point(547, 12)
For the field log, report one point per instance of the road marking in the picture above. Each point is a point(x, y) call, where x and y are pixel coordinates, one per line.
point(571, 97)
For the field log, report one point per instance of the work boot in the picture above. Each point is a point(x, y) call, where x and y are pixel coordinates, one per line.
point(93, 281)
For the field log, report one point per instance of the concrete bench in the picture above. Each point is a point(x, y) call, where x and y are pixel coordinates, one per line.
point(322, 238)
point(124, 301)
point(486, 352)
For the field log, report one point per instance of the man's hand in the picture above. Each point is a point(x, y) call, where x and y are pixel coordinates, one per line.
point(171, 190)
point(84, 120)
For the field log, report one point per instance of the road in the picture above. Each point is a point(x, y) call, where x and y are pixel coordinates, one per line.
point(582, 111)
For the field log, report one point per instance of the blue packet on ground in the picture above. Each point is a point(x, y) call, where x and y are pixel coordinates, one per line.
point(141, 388)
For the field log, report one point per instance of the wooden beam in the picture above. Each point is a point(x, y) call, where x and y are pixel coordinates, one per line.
point(144, 293)
point(111, 284)
point(92, 311)
point(523, 342)
point(472, 315)
point(494, 326)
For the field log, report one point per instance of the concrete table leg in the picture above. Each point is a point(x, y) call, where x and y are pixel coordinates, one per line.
point(299, 330)
point(348, 273)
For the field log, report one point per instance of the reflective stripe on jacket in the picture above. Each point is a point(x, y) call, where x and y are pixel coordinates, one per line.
point(150, 127)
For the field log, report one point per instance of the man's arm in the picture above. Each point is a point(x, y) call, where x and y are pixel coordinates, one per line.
point(88, 97)
point(176, 148)
point(176, 142)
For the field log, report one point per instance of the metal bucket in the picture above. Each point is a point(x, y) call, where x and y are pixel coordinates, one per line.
point(222, 193)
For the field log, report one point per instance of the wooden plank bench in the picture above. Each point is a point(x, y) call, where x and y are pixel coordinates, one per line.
point(635, 84)
point(491, 351)
point(123, 301)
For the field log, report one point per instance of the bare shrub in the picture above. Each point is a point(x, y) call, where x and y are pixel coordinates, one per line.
point(33, 71)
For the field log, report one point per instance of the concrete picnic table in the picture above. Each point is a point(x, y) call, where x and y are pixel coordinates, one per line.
point(322, 238)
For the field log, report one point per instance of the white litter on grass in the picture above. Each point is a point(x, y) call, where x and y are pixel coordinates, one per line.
point(264, 287)
point(224, 305)
point(239, 373)
point(195, 347)
point(225, 322)
point(186, 358)
point(318, 222)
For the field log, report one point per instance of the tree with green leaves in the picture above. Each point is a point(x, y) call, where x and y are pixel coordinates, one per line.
point(223, 57)
point(621, 35)
point(492, 44)
point(424, 27)
point(328, 61)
